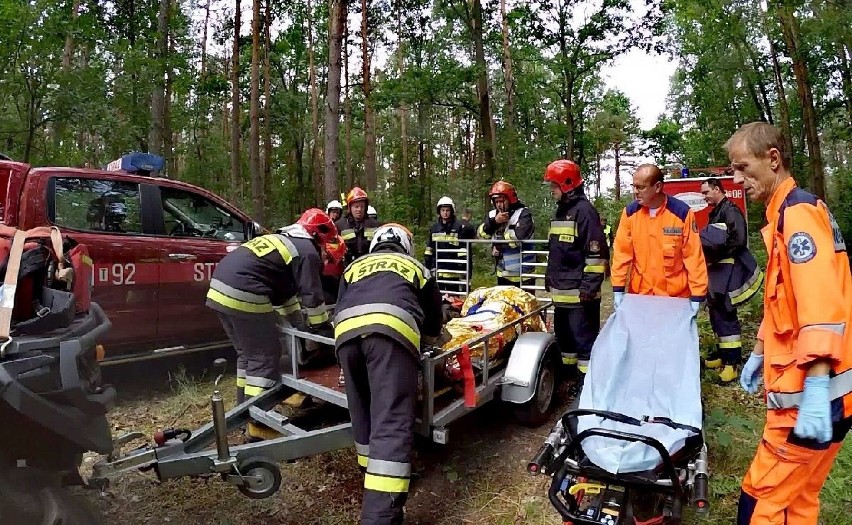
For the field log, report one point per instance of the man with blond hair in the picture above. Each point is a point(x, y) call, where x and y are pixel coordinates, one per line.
point(804, 346)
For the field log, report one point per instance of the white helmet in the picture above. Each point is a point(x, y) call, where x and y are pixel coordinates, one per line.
point(445, 201)
point(395, 233)
point(333, 205)
point(372, 213)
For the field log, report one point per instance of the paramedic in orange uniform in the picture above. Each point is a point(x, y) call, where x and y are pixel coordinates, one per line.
point(657, 249)
point(804, 347)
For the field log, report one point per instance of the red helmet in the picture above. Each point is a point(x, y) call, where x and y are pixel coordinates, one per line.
point(356, 194)
point(565, 173)
point(504, 188)
point(317, 223)
point(336, 249)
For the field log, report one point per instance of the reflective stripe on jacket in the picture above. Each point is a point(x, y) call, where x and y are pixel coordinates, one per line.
point(807, 303)
point(444, 247)
point(578, 252)
point(733, 273)
point(388, 293)
point(519, 227)
point(270, 273)
point(356, 235)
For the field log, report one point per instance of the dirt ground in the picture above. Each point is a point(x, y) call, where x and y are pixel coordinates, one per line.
point(479, 477)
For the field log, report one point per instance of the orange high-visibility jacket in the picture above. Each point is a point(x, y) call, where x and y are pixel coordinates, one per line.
point(660, 255)
point(807, 307)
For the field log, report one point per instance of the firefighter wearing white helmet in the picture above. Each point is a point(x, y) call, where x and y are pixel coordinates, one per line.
point(388, 305)
point(372, 213)
point(443, 247)
point(334, 210)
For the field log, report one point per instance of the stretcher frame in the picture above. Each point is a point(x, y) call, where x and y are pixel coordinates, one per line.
point(529, 277)
point(253, 467)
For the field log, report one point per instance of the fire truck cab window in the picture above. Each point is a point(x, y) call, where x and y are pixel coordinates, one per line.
point(96, 205)
point(187, 214)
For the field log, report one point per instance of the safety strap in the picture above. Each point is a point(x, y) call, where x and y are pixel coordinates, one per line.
point(10, 286)
point(466, 367)
point(838, 386)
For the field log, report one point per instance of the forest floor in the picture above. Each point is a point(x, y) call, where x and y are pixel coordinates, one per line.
point(479, 477)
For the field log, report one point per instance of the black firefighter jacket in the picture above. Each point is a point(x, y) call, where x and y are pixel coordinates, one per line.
point(274, 272)
point(578, 252)
point(357, 235)
point(733, 272)
point(390, 293)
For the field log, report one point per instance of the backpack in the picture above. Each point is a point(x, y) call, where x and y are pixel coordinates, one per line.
point(39, 284)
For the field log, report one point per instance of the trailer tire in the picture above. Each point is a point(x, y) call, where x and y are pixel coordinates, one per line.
point(268, 474)
point(536, 411)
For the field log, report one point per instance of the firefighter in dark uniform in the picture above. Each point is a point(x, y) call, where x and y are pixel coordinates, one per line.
point(576, 266)
point(388, 305)
point(512, 221)
point(734, 277)
point(266, 278)
point(443, 245)
point(355, 227)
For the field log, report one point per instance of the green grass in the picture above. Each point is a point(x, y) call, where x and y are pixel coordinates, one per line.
point(497, 492)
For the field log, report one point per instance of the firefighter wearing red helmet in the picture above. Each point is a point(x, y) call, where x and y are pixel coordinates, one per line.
point(266, 279)
point(576, 265)
point(355, 227)
point(511, 221)
point(333, 256)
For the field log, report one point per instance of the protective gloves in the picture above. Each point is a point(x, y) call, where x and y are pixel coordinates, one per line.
point(617, 298)
point(752, 373)
point(814, 421)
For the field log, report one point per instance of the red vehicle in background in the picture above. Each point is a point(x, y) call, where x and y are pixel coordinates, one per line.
point(154, 243)
point(689, 191)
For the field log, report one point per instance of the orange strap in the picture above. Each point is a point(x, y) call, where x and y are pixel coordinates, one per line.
point(469, 380)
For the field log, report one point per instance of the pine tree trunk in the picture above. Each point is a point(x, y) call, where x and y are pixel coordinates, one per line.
point(781, 95)
point(204, 39)
point(168, 136)
point(369, 124)
point(314, 169)
point(510, 90)
point(617, 151)
point(403, 114)
point(254, 115)
point(482, 91)
point(235, 109)
point(790, 28)
point(337, 20)
point(846, 78)
point(349, 178)
point(267, 112)
point(58, 127)
point(158, 95)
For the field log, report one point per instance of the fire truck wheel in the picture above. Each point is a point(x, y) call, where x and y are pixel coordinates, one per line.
point(262, 478)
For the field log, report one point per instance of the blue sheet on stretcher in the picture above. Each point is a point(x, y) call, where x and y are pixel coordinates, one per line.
point(645, 363)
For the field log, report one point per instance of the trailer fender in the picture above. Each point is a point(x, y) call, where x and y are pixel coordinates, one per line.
point(519, 381)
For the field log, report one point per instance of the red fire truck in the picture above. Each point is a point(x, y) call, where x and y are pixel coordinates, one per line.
point(688, 190)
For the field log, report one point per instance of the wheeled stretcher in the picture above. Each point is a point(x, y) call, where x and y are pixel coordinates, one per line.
point(631, 449)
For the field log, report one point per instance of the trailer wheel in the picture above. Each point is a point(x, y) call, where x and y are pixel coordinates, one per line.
point(262, 478)
point(536, 411)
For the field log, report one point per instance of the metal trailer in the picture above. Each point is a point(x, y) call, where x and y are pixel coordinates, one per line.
point(527, 378)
